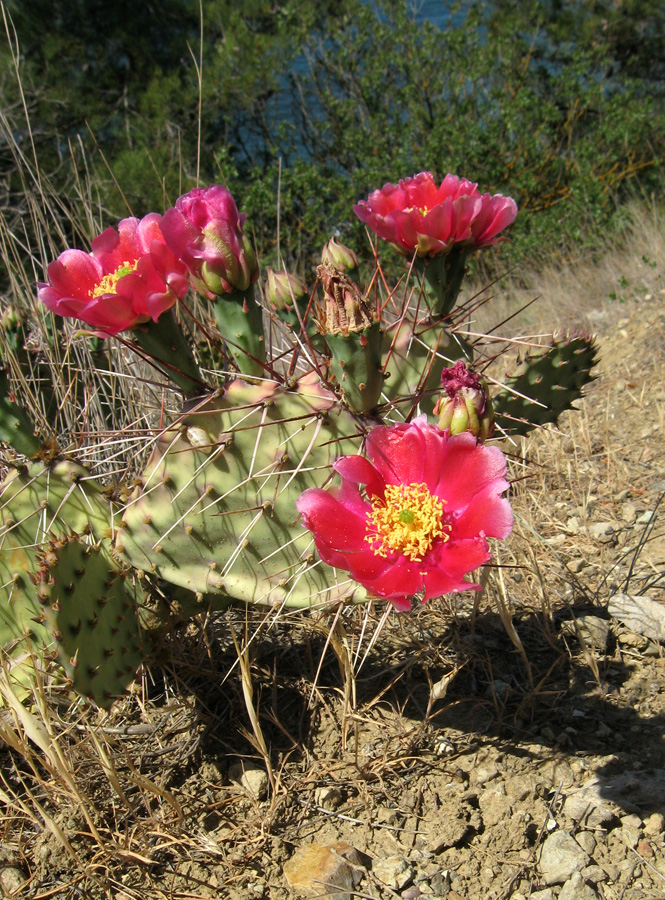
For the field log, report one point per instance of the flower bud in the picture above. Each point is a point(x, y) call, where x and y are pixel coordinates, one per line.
point(282, 289)
point(205, 231)
point(344, 309)
point(339, 256)
point(465, 404)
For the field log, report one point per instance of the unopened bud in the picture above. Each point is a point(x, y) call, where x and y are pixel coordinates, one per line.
point(282, 289)
point(464, 404)
point(339, 256)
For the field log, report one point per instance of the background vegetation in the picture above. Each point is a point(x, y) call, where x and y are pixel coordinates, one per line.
point(560, 104)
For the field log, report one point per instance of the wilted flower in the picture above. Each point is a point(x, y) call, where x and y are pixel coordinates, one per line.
point(205, 230)
point(282, 289)
point(345, 310)
point(414, 516)
point(129, 278)
point(339, 256)
point(465, 404)
point(418, 216)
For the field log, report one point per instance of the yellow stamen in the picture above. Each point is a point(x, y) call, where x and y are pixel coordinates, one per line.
point(407, 520)
point(108, 283)
point(423, 210)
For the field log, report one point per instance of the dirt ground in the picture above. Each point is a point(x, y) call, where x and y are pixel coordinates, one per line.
point(510, 746)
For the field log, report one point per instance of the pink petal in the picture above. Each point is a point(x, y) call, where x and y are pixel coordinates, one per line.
point(466, 469)
point(75, 274)
point(487, 513)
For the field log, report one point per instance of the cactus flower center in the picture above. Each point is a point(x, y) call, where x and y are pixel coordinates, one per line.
point(108, 283)
point(407, 520)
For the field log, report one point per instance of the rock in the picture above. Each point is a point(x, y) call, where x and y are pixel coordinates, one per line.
point(483, 774)
point(253, 779)
point(655, 824)
point(575, 566)
point(639, 614)
point(324, 870)
point(560, 857)
point(328, 797)
point(586, 841)
point(645, 518)
point(576, 889)
point(395, 872)
point(594, 874)
point(603, 532)
point(629, 513)
point(633, 640)
point(593, 630)
point(547, 894)
point(12, 880)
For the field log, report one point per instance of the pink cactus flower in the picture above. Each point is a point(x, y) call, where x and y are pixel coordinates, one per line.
point(414, 516)
point(129, 278)
point(205, 230)
point(418, 216)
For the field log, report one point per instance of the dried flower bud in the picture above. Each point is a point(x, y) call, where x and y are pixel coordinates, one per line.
point(345, 310)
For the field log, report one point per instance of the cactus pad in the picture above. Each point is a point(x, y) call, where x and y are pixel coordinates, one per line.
point(90, 608)
point(546, 385)
point(216, 509)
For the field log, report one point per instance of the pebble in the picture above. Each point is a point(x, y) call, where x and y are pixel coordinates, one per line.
point(577, 889)
point(547, 894)
point(560, 856)
point(575, 566)
point(629, 513)
point(12, 879)
point(603, 532)
point(395, 872)
point(655, 824)
point(328, 797)
point(645, 518)
point(595, 874)
point(586, 841)
point(315, 867)
point(253, 779)
point(639, 614)
point(483, 774)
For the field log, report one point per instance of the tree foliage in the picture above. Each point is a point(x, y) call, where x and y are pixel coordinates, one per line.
point(556, 102)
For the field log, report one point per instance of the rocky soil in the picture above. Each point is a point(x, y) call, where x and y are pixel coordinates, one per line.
point(511, 747)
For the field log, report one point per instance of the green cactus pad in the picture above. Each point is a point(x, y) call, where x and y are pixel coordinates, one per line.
point(90, 608)
point(37, 501)
point(546, 385)
point(216, 509)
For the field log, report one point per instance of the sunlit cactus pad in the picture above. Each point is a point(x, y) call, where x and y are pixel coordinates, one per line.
point(546, 385)
point(215, 512)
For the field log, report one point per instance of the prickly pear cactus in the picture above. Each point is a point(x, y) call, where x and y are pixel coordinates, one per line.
point(39, 500)
point(546, 385)
point(215, 512)
point(89, 605)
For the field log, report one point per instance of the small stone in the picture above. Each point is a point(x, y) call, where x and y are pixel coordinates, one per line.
point(576, 889)
point(645, 518)
point(253, 779)
point(328, 797)
point(483, 774)
point(655, 824)
point(594, 874)
point(547, 894)
point(411, 893)
point(639, 614)
point(629, 513)
point(12, 880)
point(586, 841)
point(575, 566)
point(603, 532)
point(633, 640)
point(645, 849)
point(573, 525)
point(560, 856)
point(395, 872)
point(314, 868)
